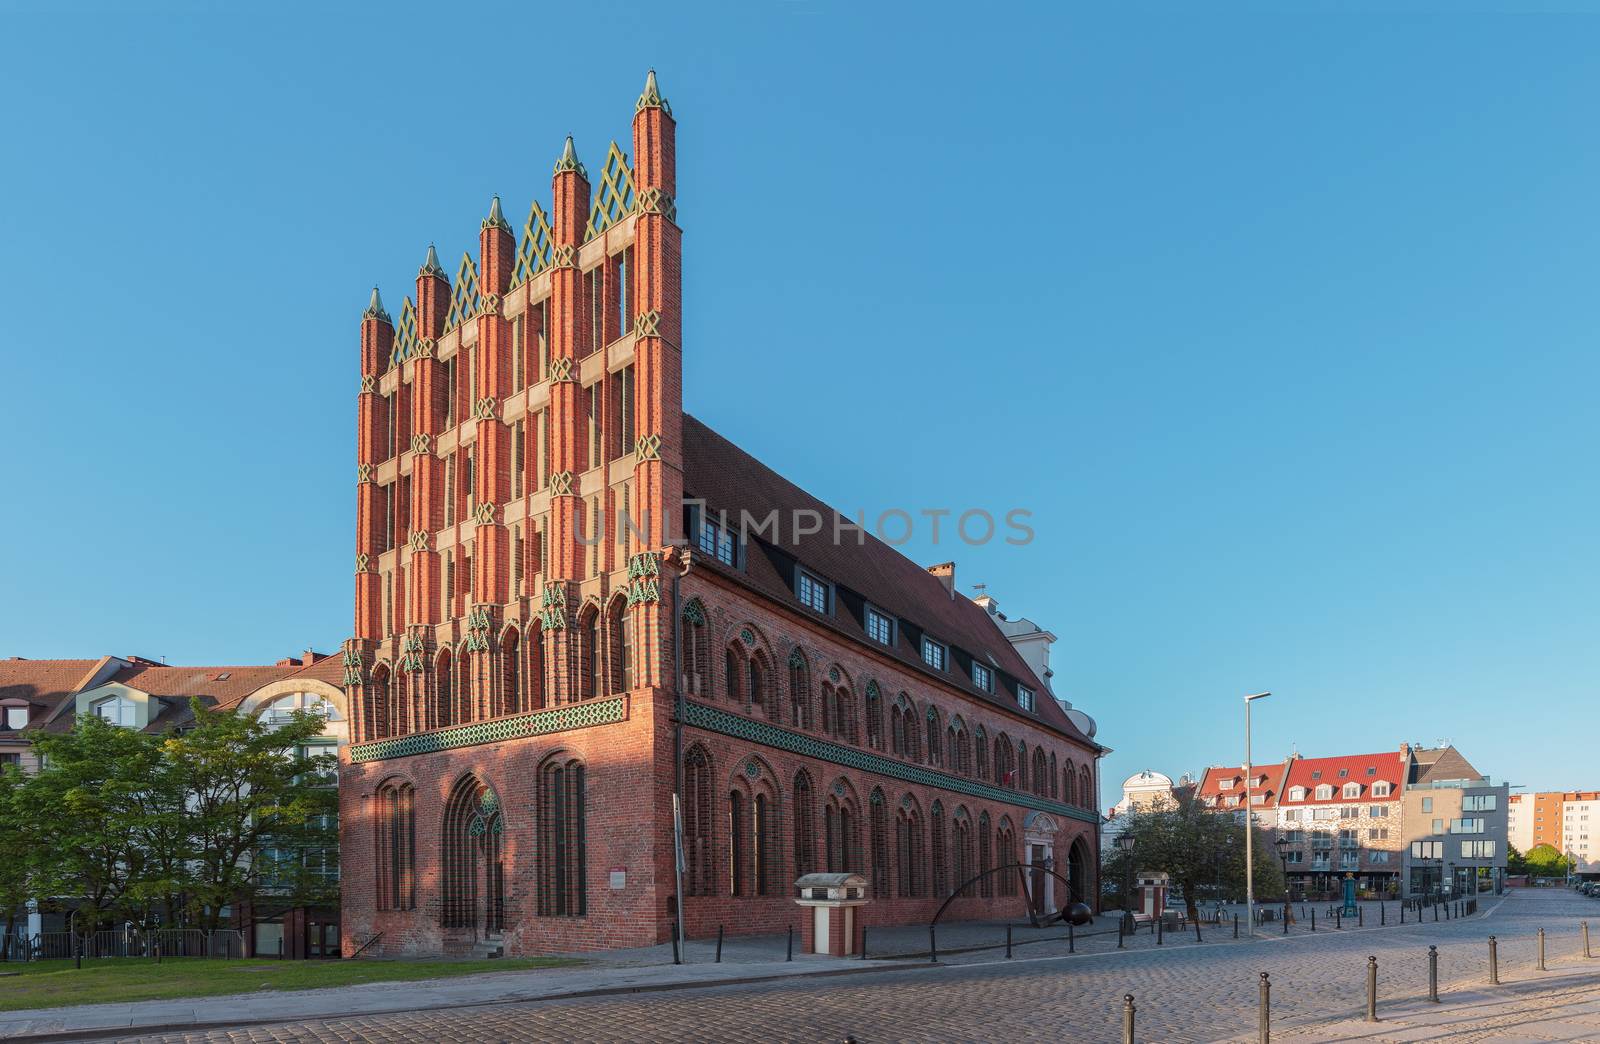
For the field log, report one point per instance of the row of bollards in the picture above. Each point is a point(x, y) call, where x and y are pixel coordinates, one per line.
point(1264, 1026)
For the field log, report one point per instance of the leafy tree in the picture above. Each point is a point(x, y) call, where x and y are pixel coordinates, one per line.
point(1547, 861)
point(245, 785)
point(1516, 863)
point(86, 808)
point(20, 851)
point(1197, 848)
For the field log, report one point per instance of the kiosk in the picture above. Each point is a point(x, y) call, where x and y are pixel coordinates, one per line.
point(834, 927)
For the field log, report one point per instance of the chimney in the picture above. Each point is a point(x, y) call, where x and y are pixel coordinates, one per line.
point(946, 572)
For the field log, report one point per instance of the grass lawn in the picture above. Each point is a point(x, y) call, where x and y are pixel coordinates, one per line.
point(56, 984)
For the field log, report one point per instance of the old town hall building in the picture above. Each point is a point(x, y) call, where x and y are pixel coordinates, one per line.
point(563, 631)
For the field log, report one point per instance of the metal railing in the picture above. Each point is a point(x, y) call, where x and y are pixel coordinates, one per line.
point(222, 943)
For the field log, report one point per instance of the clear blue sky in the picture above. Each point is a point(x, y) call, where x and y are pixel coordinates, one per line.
point(1283, 327)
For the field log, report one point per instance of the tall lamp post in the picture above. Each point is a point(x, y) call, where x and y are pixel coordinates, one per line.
point(1283, 857)
point(1249, 819)
point(1125, 842)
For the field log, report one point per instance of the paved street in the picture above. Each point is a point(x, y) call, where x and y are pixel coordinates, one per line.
point(1188, 993)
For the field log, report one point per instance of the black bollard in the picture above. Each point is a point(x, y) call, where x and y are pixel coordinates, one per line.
point(1008, 942)
point(1159, 932)
point(1119, 932)
point(1402, 911)
point(1313, 918)
point(677, 958)
point(1236, 926)
point(1127, 1018)
point(1494, 963)
point(1360, 916)
point(1435, 913)
point(1383, 916)
point(1433, 974)
point(1197, 930)
point(1072, 938)
point(1265, 1026)
point(1586, 952)
point(863, 942)
point(719, 944)
point(933, 947)
point(1541, 949)
point(1338, 918)
point(789, 951)
point(1372, 989)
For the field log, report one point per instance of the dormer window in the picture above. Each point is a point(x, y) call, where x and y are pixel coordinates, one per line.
point(17, 718)
point(1372, 770)
point(1324, 792)
point(1380, 788)
point(116, 710)
point(718, 542)
point(1352, 790)
point(812, 592)
point(982, 677)
point(1224, 784)
point(1343, 773)
point(933, 654)
point(1297, 793)
point(880, 627)
point(1025, 697)
point(1316, 773)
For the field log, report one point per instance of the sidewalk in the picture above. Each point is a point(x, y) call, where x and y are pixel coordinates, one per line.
point(744, 959)
point(598, 978)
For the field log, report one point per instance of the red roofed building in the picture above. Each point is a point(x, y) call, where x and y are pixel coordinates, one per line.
point(1342, 815)
point(576, 604)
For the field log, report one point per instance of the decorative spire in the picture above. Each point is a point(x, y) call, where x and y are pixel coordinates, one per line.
point(432, 266)
point(651, 98)
point(569, 160)
point(375, 309)
point(495, 218)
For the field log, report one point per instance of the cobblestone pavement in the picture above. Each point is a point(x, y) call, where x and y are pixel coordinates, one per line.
point(1187, 993)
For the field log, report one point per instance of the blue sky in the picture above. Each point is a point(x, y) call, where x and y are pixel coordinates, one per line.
point(1282, 326)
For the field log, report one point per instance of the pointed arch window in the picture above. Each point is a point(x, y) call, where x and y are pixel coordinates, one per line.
point(511, 672)
point(874, 716)
point(696, 648)
point(963, 856)
point(563, 839)
point(986, 885)
point(1041, 775)
point(697, 821)
point(1086, 795)
point(935, 738)
point(1005, 854)
point(375, 703)
point(799, 690)
point(910, 854)
point(761, 833)
point(1069, 790)
point(1054, 776)
point(805, 825)
point(395, 846)
point(444, 689)
point(842, 834)
point(878, 829)
point(937, 845)
point(732, 670)
point(591, 672)
point(737, 852)
point(980, 748)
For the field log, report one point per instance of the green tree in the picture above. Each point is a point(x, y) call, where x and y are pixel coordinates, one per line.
point(1197, 848)
point(87, 807)
point(20, 852)
point(1516, 863)
point(1547, 861)
point(246, 785)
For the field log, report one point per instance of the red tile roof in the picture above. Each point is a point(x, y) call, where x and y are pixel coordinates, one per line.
point(44, 684)
point(728, 479)
point(1269, 784)
point(1364, 769)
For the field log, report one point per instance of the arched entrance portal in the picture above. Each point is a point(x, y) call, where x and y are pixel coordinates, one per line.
point(1038, 842)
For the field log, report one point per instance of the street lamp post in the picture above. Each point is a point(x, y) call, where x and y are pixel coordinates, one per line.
point(1125, 842)
point(1249, 819)
point(1283, 857)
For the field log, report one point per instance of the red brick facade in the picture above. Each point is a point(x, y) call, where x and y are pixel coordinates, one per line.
point(525, 701)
